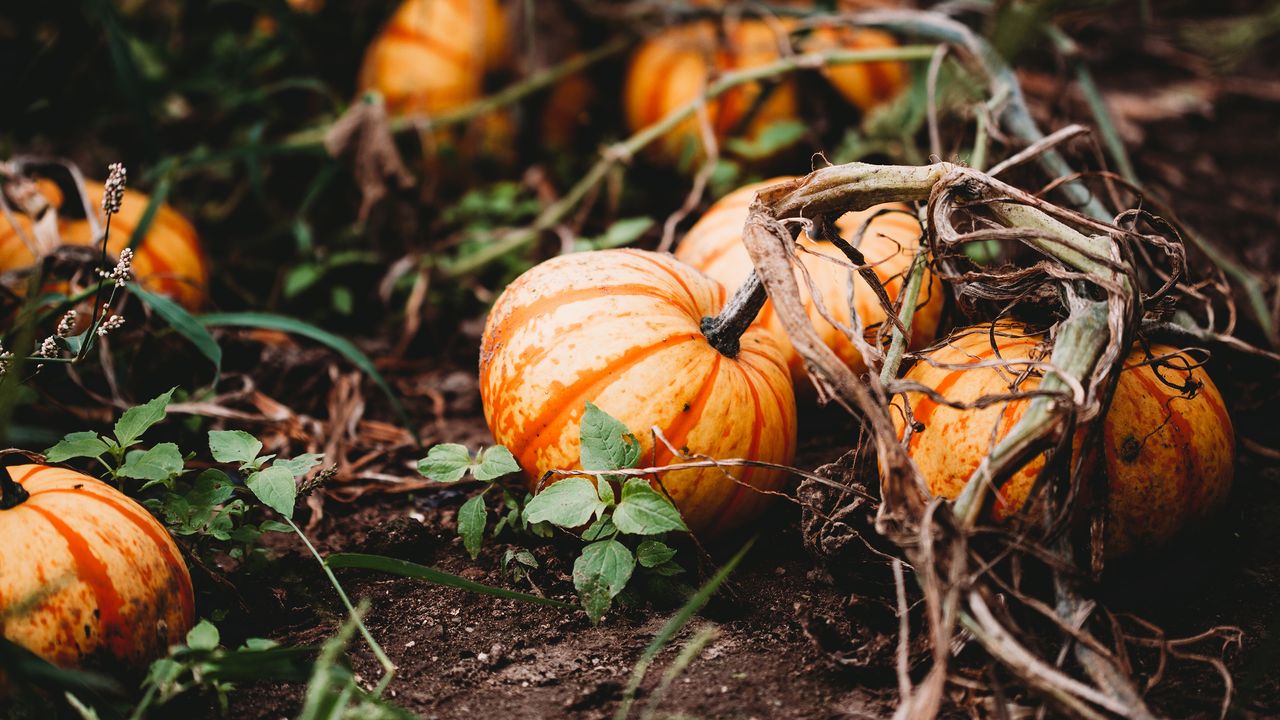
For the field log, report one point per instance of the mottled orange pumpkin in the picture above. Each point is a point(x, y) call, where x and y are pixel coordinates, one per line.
point(863, 85)
point(169, 260)
point(620, 328)
point(87, 577)
point(676, 65)
point(1168, 454)
point(714, 246)
point(433, 55)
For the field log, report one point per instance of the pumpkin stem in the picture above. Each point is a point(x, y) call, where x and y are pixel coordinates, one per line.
point(11, 493)
point(724, 331)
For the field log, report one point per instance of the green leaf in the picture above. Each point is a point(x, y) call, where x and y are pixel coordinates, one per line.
point(645, 511)
point(606, 442)
point(275, 488)
point(204, 636)
point(495, 462)
point(212, 487)
point(234, 446)
point(472, 517)
point(600, 573)
point(338, 344)
point(182, 323)
point(76, 445)
point(652, 553)
point(777, 136)
point(600, 529)
point(568, 503)
point(623, 232)
point(421, 572)
point(300, 465)
point(300, 278)
point(605, 488)
point(446, 462)
point(162, 462)
point(667, 569)
point(136, 420)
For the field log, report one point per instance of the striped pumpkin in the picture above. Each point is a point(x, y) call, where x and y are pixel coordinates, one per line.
point(87, 577)
point(675, 66)
point(169, 260)
point(714, 246)
point(1168, 456)
point(433, 55)
point(863, 85)
point(620, 328)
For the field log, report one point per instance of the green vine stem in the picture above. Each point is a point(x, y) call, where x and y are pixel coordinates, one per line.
point(12, 494)
point(724, 331)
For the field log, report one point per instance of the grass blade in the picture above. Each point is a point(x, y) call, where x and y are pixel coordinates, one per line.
point(342, 346)
point(407, 569)
point(182, 323)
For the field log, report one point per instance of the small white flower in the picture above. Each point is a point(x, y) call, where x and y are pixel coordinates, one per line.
point(113, 191)
point(123, 271)
point(66, 324)
point(115, 322)
point(48, 348)
point(5, 359)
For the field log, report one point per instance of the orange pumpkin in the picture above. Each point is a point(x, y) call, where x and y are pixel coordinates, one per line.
point(620, 328)
point(433, 55)
point(87, 577)
point(863, 85)
point(566, 111)
point(1168, 454)
point(169, 260)
point(714, 246)
point(675, 66)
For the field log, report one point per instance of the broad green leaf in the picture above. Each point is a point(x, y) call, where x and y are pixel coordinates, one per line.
point(667, 569)
point(446, 462)
point(212, 487)
point(182, 323)
point(568, 503)
point(422, 572)
point(472, 517)
point(300, 465)
point(162, 462)
point(300, 278)
point(652, 553)
point(338, 344)
point(234, 446)
point(136, 420)
point(76, 445)
point(494, 463)
point(600, 573)
point(275, 488)
point(204, 636)
point(624, 232)
point(600, 529)
point(777, 136)
point(606, 442)
point(605, 488)
point(645, 511)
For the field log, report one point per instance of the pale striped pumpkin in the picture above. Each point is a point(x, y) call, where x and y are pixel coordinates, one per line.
point(675, 66)
point(169, 260)
point(620, 328)
point(863, 85)
point(87, 577)
point(1169, 458)
point(891, 241)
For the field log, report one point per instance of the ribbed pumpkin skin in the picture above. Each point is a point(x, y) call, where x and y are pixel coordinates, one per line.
point(433, 55)
point(714, 246)
point(169, 261)
point(674, 67)
point(863, 85)
point(87, 577)
point(620, 328)
point(1169, 459)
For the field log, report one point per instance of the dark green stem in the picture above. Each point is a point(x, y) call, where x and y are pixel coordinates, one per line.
point(11, 493)
point(724, 331)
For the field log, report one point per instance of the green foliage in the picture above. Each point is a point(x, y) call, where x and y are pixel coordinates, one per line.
point(621, 232)
point(450, 462)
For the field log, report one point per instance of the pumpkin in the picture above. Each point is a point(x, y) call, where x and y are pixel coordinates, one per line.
point(169, 260)
point(566, 112)
point(1168, 454)
point(714, 246)
point(620, 329)
point(863, 85)
point(433, 55)
point(88, 578)
point(675, 66)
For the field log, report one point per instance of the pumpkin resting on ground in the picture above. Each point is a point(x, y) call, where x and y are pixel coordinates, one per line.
point(675, 66)
point(1168, 456)
point(714, 246)
point(169, 260)
point(621, 329)
point(87, 577)
point(863, 85)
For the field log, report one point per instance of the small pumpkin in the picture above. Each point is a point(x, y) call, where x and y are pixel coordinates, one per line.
point(88, 578)
point(675, 66)
point(863, 85)
point(567, 111)
point(714, 246)
point(433, 55)
point(1167, 445)
point(169, 260)
point(621, 329)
